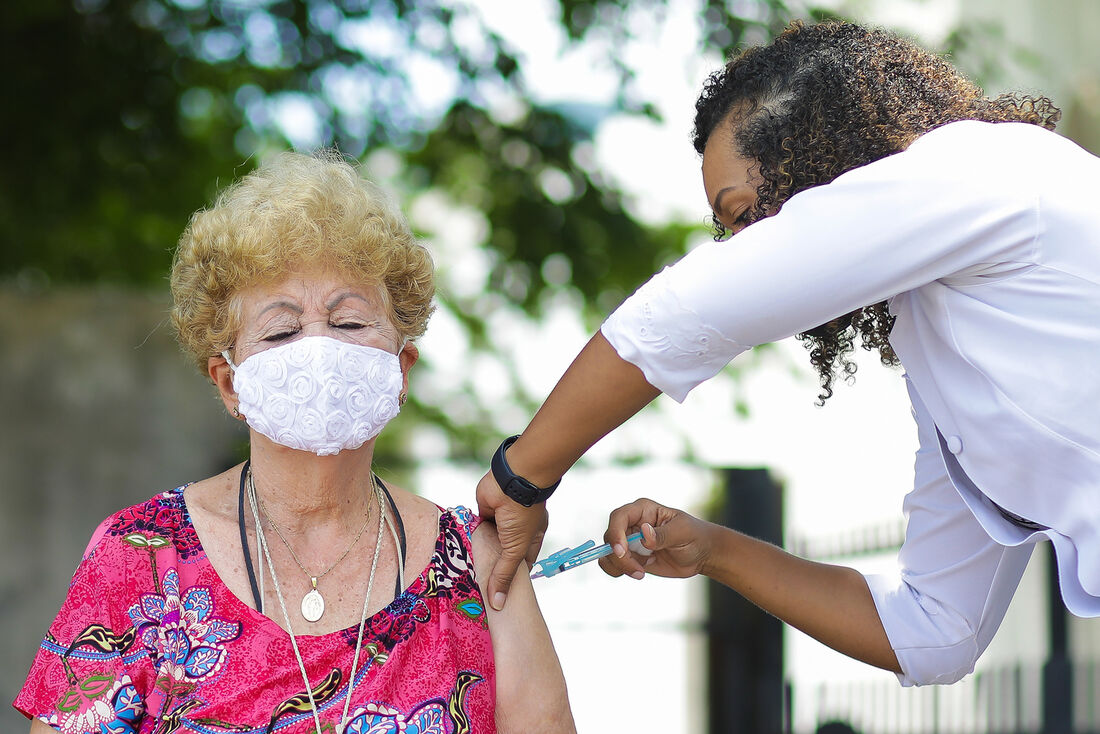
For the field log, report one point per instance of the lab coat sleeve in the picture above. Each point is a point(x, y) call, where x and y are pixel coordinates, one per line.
point(939, 208)
point(954, 583)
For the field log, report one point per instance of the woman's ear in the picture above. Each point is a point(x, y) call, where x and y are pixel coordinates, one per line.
point(407, 357)
point(221, 374)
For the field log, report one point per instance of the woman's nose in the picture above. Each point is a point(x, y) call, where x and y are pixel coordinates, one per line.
point(316, 326)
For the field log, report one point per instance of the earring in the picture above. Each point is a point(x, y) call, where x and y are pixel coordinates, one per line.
point(401, 398)
point(236, 411)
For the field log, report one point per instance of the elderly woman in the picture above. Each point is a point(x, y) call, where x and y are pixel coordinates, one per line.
point(297, 592)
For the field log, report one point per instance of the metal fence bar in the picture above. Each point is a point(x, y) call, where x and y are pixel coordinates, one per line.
point(998, 701)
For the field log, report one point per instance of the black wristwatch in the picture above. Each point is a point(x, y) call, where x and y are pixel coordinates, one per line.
point(515, 486)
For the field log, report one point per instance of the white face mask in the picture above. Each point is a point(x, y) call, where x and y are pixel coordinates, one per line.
point(318, 394)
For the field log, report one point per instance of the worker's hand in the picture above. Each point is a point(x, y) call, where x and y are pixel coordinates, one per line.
point(680, 543)
point(520, 529)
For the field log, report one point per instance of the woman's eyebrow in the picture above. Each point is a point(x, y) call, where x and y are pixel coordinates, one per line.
point(281, 304)
point(336, 301)
point(716, 206)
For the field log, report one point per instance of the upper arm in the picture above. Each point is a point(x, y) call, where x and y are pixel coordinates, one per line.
point(530, 687)
point(93, 616)
point(955, 581)
point(883, 229)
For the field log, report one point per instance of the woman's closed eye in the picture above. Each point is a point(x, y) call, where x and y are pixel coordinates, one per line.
point(742, 220)
point(275, 334)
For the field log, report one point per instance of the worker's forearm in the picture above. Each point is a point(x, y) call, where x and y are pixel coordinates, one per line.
point(596, 394)
point(830, 603)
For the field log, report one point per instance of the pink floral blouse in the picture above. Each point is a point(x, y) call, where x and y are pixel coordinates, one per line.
point(150, 640)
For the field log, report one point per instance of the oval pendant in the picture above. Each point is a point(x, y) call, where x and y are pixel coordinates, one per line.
point(313, 605)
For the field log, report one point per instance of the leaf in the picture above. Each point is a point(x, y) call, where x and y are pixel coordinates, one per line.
point(202, 661)
point(137, 540)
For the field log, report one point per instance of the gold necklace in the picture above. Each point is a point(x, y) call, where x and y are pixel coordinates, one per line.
point(313, 604)
point(261, 541)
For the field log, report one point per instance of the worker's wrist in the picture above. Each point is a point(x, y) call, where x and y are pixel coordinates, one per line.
point(711, 538)
point(526, 463)
point(513, 483)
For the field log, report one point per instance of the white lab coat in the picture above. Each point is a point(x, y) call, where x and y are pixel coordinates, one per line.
point(985, 240)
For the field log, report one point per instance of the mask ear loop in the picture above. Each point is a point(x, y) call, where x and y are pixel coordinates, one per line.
point(236, 409)
point(233, 367)
point(402, 396)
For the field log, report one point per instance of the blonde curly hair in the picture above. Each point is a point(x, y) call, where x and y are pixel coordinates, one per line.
point(294, 210)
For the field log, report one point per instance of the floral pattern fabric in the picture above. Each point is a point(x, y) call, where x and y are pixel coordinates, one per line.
point(149, 641)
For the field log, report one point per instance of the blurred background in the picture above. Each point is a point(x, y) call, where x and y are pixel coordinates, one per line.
point(542, 150)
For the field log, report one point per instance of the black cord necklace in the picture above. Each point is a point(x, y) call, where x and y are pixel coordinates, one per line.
point(244, 543)
point(400, 529)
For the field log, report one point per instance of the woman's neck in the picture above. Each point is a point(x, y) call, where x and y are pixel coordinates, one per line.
point(300, 490)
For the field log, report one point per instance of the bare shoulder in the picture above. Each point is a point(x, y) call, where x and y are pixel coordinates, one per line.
point(420, 516)
point(420, 521)
point(215, 497)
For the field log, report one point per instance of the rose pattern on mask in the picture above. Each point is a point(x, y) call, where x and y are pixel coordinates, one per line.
point(319, 394)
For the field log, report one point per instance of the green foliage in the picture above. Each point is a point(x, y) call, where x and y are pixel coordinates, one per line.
point(100, 167)
point(982, 50)
point(543, 206)
point(130, 111)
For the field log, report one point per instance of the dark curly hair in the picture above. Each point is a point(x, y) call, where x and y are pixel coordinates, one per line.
point(826, 98)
